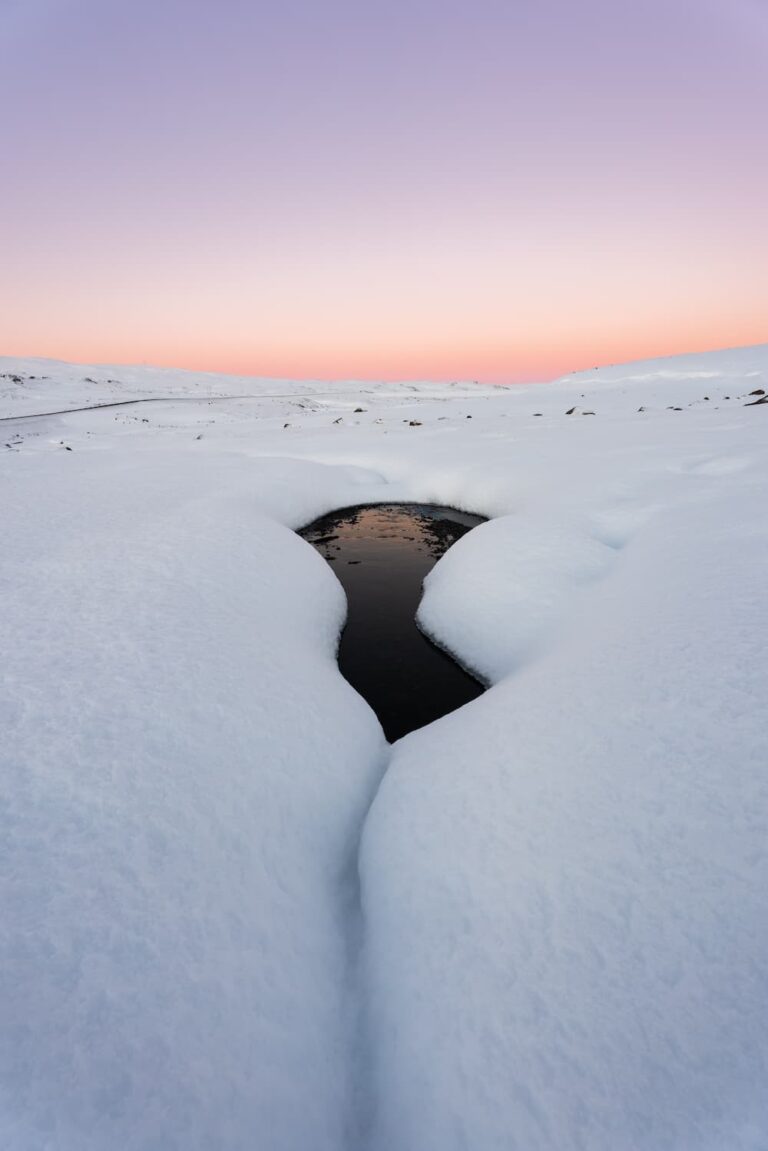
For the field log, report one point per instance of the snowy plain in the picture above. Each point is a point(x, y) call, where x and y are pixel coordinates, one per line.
point(232, 917)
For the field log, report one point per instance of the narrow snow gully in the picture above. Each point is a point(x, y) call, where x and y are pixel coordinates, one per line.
point(381, 554)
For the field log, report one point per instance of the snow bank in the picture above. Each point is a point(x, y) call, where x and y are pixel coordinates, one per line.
point(497, 599)
point(185, 775)
point(565, 884)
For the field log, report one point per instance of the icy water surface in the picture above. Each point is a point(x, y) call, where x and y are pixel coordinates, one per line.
point(381, 555)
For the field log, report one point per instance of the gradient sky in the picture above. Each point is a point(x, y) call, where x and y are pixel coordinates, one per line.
point(444, 189)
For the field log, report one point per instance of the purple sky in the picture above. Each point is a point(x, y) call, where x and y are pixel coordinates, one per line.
point(432, 189)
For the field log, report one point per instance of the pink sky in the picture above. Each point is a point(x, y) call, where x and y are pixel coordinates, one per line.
point(494, 190)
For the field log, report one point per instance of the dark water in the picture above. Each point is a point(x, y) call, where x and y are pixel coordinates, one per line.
point(381, 555)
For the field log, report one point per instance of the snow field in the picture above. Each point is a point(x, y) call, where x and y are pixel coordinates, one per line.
point(557, 937)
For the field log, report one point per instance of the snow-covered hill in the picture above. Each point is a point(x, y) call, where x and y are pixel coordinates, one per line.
point(232, 917)
point(37, 386)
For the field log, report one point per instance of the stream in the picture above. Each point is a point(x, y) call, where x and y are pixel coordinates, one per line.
point(381, 554)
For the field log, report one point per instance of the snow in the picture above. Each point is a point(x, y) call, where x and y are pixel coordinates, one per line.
point(34, 386)
point(232, 917)
point(175, 874)
point(595, 872)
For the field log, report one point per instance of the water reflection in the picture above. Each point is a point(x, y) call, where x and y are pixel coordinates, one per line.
point(381, 554)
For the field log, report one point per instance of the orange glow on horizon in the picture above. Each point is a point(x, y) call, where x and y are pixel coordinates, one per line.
point(495, 366)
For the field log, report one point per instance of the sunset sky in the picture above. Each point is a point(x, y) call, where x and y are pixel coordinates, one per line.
point(433, 189)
